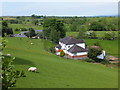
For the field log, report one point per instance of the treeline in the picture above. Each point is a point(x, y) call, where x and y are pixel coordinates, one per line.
point(91, 24)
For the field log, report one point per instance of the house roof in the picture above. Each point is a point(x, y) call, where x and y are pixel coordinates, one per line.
point(58, 46)
point(71, 40)
point(76, 49)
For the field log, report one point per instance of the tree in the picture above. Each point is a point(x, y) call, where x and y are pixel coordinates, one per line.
point(91, 34)
point(96, 26)
point(81, 33)
point(73, 26)
point(53, 29)
point(35, 22)
point(93, 52)
point(9, 73)
point(31, 32)
point(6, 29)
point(109, 36)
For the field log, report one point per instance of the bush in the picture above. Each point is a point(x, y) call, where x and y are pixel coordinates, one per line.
point(23, 29)
point(17, 29)
point(104, 62)
point(62, 53)
point(52, 49)
point(97, 44)
point(109, 36)
point(88, 60)
point(94, 52)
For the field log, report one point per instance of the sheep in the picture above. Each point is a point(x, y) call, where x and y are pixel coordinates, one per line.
point(32, 69)
point(32, 43)
point(8, 55)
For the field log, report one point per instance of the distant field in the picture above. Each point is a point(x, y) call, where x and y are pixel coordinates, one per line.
point(8, 18)
point(14, 26)
point(99, 33)
point(57, 72)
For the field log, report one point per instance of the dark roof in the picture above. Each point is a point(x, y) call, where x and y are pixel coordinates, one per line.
point(71, 40)
point(58, 46)
point(76, 49)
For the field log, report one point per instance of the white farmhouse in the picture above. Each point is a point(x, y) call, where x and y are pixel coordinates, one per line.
point(73, 48)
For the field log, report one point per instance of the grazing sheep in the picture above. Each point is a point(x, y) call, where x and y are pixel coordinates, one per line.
point(32, 69)
point(32, 43)
point(8, 54)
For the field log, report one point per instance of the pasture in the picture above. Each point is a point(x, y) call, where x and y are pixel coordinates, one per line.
point(54, 71)
point(27, 26)
point(98, 33)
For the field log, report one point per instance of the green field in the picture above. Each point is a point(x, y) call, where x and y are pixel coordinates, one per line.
point(110, 46)
point(98, 33)
point(27, 26)
point(54, 71)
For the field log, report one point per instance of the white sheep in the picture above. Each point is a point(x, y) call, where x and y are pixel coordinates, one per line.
point(32, 69)
point(8, 54)
point(32, 43)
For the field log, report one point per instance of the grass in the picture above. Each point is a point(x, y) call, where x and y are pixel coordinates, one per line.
point(27, 26)
point(98, 33)
point(110, 46)
point(54, 71)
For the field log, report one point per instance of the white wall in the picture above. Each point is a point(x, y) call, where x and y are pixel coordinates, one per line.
point(81, 53)
point(57, 53)
point(77, 54)
point(81, 45)
point(101, 56)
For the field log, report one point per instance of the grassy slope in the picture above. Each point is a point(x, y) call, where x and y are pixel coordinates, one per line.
point(56, 72)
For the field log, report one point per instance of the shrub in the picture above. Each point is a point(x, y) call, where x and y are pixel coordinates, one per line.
point(94, 52)
point(52, 49)
point(62, 53)
point(17, 29)
point(104, 62)
point(97, 44)
point(88, 60)
point(109, 36)
point(23, 29)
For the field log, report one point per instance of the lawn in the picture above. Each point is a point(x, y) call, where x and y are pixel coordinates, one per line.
point(54, 71)
point(27, 26)
point(110, 46)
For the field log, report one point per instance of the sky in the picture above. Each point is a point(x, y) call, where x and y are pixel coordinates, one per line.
point(59, 8)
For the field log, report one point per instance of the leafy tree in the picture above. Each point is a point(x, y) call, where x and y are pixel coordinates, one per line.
point(109, 36)
point(73, 26)
point(53, 29)
point(35, 22)
point(96, 26)
point(93, 52)
point(9, 73)
point(31, 32)
point(6, 29)
point(97, 44)
point(92, 35)
point(81, 33)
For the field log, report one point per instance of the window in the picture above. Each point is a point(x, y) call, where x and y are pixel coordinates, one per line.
point(68, 46)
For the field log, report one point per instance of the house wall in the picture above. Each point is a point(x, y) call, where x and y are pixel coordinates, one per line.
point(101, 56)
point(81, 53)
point(57, 53)
point(77, 54)
point(81, 45)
